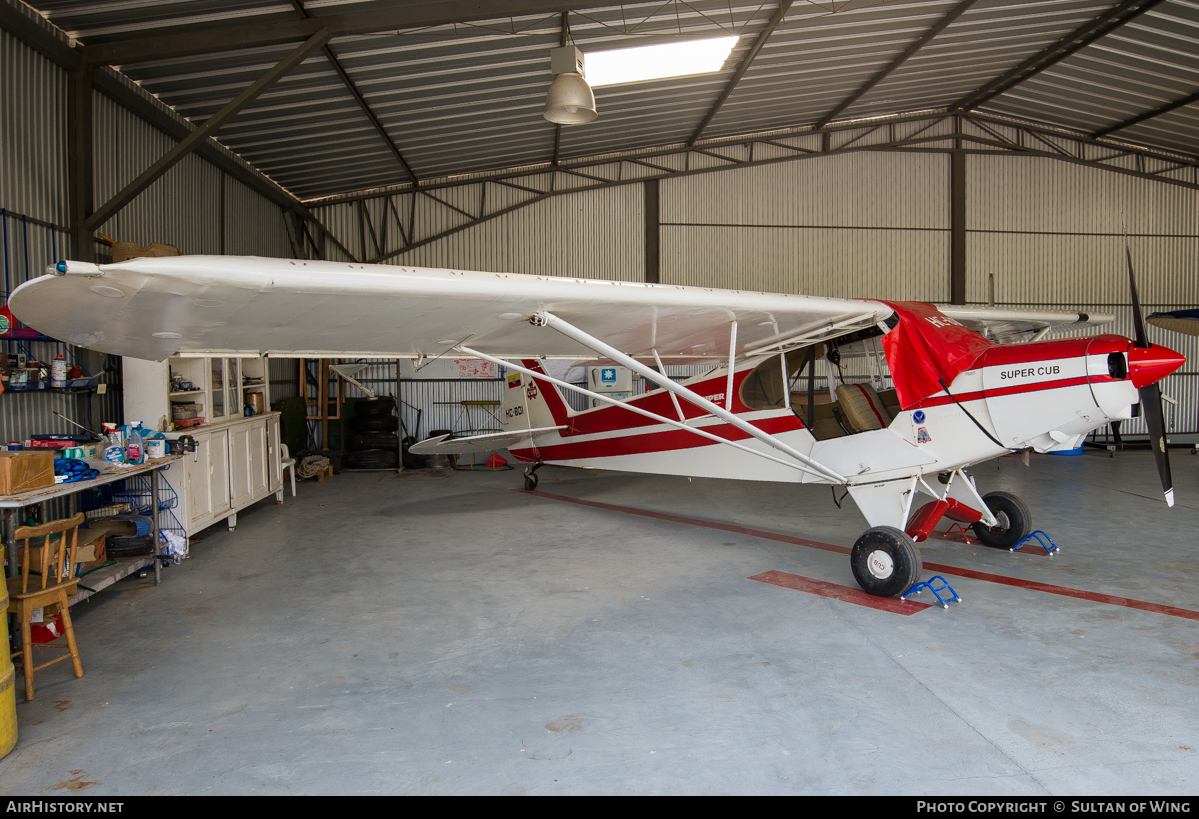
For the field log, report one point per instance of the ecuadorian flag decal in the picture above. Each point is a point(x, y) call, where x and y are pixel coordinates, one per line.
point(513, 380)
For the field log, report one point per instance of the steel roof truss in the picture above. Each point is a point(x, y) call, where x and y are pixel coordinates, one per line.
point(1103, 25)
point(928, 36)
point(1148, 115)
point(197, 137)
point(746, 61)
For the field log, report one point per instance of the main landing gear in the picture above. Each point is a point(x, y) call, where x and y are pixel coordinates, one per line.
point(885, 561)
point(1014, 521)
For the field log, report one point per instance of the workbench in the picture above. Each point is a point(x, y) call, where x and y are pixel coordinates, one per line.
point(13, 504)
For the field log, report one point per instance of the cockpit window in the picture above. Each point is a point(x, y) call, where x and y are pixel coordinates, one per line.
point(763, 387)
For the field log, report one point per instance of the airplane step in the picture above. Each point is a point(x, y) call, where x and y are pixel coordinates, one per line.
point(954, 597)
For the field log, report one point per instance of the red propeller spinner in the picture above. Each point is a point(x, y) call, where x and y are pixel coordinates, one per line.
point(1148, 365)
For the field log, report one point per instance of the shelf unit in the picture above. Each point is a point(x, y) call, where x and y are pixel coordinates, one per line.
point(237, 460)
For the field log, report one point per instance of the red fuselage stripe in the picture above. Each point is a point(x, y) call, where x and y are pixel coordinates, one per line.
point(1033, 585)
point(941, 400)
point(664, 441)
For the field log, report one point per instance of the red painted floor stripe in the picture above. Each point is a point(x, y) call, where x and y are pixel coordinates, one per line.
point(1030, 548)
point(1048, 588)
point(1064, 591)
point(724, 527)
point(845, 593)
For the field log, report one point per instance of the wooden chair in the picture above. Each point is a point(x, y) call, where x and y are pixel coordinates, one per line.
point(55, 585)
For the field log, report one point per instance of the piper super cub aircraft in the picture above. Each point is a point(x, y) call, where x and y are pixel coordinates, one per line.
point(960, 396)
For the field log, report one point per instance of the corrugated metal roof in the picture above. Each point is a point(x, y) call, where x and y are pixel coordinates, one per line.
point(468, 97)
point(1149, 62)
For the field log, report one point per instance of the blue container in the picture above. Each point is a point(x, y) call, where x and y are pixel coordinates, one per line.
point(1076, 451)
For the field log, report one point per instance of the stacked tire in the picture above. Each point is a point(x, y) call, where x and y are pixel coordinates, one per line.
point(373, 443)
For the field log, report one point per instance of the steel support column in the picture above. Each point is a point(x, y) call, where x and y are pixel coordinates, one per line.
point(957, 227)
point(653, 253)
point(79, 162)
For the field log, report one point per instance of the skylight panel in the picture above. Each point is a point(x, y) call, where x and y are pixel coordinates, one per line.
point(658, 62)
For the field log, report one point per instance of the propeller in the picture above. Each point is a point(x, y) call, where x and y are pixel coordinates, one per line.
point(1151, 394)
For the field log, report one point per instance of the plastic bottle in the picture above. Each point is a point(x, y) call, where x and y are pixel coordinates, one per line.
point(58, 372)
point(112, 450)
point(135, 453)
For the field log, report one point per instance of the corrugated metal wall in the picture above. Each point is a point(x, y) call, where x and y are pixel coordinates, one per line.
point(1052, 234)
point(863, 224)
point(185, 208)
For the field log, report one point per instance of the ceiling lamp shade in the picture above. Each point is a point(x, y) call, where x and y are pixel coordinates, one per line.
point(570, 101)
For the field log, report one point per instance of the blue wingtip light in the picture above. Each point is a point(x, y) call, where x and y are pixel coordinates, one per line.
point(61, 267)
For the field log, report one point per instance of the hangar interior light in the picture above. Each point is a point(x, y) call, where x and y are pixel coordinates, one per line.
point(658, 62)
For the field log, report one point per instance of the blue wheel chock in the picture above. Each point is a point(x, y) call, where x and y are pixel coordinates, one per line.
point(1040, 537)
point(954, 597)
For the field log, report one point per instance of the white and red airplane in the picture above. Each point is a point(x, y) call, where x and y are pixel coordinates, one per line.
point(959, 397)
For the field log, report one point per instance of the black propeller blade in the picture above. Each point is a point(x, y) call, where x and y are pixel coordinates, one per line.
point(1151, 400)
point(1151, 394)
point(1138, 322)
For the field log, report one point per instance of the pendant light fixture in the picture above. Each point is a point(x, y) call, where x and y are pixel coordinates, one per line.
point(569, 101)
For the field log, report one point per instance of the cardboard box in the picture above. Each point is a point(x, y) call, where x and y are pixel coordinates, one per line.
point(89, 548)
point(122, 538)
point(21, 471)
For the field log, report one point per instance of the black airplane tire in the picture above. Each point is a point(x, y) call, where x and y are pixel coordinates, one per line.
point(530, 482)
point(379, 405)
point(885, 561)
point(372, 440)
point(412, 461)
point(1015, 521)
point(372, 459)
point(375, 423)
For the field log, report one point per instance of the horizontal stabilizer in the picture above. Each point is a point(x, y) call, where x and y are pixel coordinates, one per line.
point(446, 445)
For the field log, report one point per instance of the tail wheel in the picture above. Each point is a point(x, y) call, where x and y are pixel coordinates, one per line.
point(1013, 521)
point(530, 482)
point(885, 561)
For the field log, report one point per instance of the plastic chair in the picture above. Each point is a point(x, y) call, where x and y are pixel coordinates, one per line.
point(56, 567)
point(289, 463)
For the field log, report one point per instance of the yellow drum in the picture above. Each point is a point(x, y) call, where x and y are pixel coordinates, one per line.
point(8, 689)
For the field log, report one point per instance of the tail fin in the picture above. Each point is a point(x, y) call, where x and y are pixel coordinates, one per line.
point(545, 405)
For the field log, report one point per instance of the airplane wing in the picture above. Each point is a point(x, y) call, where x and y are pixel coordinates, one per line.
point(153, 308)
point(445, 445)
point(1180, 321)
point(1007, 326)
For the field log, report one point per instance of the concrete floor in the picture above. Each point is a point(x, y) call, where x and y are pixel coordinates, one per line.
point(440, 633)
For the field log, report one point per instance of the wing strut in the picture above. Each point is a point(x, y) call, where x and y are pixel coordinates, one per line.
point(639, 411)
point(567, 329)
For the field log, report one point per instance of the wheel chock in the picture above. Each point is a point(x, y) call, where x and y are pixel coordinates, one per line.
point(1041, 538)
point(954, 597)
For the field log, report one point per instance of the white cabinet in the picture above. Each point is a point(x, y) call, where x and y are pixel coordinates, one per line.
point(241, 471)
point(250, 461)
point(205, 495)
point(234, 466)
point(237, 458)
point(170, 395)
